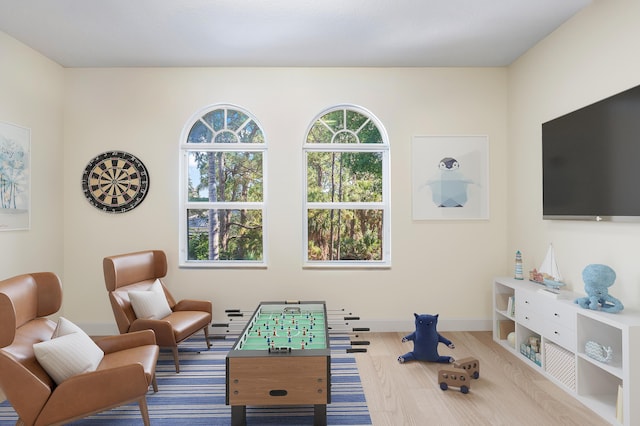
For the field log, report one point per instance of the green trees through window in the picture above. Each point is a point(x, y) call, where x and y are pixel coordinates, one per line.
point(223, 205)
point(347, 215)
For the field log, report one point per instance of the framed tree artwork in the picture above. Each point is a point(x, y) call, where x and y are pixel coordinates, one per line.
point(15, 177)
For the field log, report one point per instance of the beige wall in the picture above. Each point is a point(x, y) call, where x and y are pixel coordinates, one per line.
point(438, 267)
point(143, 111)
point(589, 58)
point(31, 94)
point(443, 267)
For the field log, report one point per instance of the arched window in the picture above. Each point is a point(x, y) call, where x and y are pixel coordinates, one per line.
point(347, 214)
point(222, 189)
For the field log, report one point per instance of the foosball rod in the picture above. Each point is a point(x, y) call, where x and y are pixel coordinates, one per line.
point(333, 331)
point(356, 330)
point(237, 328)
point(330, 312)
point(219, 335)
point(234, 312)
point(230, 326)
point(331, 327)
point(252, 310)
point(240, 312)
point(340, 311)
point(338, 322)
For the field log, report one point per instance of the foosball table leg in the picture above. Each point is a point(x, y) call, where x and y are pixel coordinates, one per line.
point(238, 415)
point(320, 415)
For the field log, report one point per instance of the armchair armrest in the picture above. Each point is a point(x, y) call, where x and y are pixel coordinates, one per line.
point(162, 329)
point(110, 344)
point(87, 393)
point(193, 305)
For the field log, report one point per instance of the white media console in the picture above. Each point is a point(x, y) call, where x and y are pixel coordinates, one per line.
point(559, 329)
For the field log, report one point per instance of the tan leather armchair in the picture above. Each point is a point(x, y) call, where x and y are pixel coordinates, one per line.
point(138, 271)
point(123, 376)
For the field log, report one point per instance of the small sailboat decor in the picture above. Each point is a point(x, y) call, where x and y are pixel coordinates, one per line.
point(548, 274)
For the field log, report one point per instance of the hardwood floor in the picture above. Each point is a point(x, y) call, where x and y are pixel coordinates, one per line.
point(508, 391)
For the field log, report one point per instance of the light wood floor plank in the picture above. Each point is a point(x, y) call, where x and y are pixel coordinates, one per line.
point(508, 391)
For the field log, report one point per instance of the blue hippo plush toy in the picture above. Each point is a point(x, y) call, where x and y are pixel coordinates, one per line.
point(425, 341)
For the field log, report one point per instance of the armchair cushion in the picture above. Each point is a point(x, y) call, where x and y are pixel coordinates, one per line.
point(69, 352)
point(150, 304)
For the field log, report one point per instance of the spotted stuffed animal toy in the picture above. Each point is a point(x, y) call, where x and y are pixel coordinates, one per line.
point(425, 341)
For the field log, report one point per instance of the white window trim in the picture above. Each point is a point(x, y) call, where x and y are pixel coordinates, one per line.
point(184, 205)
point(385, 205)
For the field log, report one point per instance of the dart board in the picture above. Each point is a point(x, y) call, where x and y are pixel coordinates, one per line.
point(115, 182)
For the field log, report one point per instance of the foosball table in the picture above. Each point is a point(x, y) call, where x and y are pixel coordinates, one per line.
point(282, 357)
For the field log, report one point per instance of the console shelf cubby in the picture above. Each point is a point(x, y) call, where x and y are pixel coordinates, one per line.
point(560, 329)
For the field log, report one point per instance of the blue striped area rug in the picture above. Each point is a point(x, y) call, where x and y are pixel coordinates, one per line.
point(196, 396)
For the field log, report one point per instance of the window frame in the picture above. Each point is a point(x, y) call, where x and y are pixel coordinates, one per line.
point(384, 205)
point(185, 205)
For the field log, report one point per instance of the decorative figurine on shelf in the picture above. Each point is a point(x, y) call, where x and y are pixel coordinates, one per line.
point(518, 271)
point(425, 341)
point(598, 352)
point(597, 280)
point(548, 274)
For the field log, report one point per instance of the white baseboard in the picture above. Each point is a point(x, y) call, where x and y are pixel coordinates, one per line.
point(377, 326)
point(382, 326)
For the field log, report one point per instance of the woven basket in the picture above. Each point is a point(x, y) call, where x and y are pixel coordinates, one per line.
point(560, 364)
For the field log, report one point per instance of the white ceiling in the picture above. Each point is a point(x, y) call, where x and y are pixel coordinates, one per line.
point(380, 33)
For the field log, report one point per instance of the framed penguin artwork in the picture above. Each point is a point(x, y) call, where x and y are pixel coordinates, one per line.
point(450, 178)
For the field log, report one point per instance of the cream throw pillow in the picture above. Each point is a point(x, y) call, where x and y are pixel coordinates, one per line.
point(69, 352)
point(150, 304)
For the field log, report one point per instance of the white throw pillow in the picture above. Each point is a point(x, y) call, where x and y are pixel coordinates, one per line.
point(65, 327)
point(69, 352)
point(151, 303)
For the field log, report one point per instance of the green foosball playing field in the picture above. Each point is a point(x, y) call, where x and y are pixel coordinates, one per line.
point(281, 328)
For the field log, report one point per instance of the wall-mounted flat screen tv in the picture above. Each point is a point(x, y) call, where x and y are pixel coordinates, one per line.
point(591, 161)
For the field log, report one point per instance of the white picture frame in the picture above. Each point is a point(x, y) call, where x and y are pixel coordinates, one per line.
point(15, 177)
point(450, 177)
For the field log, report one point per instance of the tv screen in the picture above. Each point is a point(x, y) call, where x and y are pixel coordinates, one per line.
point(591, 161)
